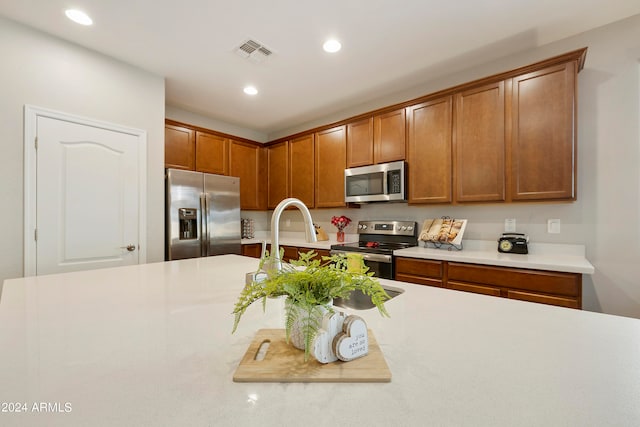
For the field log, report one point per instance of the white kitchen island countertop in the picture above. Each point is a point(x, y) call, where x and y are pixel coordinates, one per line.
point(151, 345)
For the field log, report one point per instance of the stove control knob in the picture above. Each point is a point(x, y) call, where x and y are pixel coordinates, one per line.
point(403, 228)
point(410, 228)
point(364, 226)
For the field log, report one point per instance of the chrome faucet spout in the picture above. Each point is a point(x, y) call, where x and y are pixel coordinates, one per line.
point(310, 232)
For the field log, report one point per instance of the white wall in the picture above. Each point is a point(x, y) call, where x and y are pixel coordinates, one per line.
point(606, 217)
point(184, 116)
point(40, 70)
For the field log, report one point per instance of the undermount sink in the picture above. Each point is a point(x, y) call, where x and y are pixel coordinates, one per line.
point(359, 301)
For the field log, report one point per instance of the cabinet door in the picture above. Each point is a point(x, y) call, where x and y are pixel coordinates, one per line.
point(331, 161)
point(244, 163)
point(278, 165)
point(179, 148)
point(301, 169)
point(545, 299)
point(389, 139)
point(212, 153)
point(543, 150)
point(429, 151)
point(420, 271)
point(480, 144)
point(253, 250)
point(474, 288)
point(360, 143)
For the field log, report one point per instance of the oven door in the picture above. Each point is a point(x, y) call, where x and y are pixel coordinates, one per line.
point(379, 264)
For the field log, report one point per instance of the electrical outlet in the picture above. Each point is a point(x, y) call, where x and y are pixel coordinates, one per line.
point(510, 225)
point(553, 226)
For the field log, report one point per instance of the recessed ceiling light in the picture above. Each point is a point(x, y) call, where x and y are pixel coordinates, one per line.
point(332, 46)
point(78, 16)
point(250, 90)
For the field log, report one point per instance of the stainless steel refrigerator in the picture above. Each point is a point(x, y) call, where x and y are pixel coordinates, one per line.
point(202, 214)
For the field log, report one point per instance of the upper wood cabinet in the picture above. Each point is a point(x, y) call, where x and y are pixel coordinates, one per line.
point(479, 144)
point(389, 141)
point(212, 153)
point(543, 152)
point(179, 147)
point(429, 151)
point(301, 169)
point(278, 173)
point(330, 162)
point(245, 163)
point(360, 143)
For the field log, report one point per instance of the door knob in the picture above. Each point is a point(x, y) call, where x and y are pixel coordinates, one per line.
point(130, 248)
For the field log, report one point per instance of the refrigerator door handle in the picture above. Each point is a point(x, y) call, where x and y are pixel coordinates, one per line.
point(204, 218)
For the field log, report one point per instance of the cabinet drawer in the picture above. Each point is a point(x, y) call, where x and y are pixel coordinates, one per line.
point(476, 289)
point(545, 299)
point(418, 267)
point(402, 277)
point(568, 284)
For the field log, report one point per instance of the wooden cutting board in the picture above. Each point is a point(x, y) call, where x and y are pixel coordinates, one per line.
point(285, 363)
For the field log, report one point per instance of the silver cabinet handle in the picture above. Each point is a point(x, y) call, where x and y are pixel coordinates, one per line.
point(130, 248)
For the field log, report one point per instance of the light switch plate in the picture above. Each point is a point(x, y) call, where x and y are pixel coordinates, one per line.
point(553, 226)
point(510, 225)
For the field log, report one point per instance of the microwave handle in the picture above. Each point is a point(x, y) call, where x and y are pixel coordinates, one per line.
point(385, 182)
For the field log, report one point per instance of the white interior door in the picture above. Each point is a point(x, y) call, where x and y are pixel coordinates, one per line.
point(87, 196)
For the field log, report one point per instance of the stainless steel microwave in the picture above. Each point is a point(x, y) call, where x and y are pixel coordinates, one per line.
point(384, 182)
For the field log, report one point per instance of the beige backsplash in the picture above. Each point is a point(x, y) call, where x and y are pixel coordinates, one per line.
point(486, 222)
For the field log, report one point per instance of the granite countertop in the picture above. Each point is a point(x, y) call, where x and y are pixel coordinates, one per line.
point(542, 256)
point(152, 345)
point(293, 238)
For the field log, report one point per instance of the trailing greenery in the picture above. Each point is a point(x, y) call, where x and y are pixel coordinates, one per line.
point(309, 284)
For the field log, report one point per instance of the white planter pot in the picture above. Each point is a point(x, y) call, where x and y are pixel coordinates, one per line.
point(302, 320)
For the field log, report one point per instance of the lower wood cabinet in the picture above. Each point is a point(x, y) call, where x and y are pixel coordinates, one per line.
point(252, 249)
point(546, 287)
point(421, 271)
point(293, 252)
point(290, 252)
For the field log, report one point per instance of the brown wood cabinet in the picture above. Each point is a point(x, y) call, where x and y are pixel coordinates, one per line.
point(245, 162)
point(543, 146)
point(301, 169)
point(360, 143)
point(278, 175)
point(293, 252)
point(179, 147)
point(421, 271)
point(429, 151)
point(547, 287)
point(330, 163)
point(389, 130)
point(212, 153)
point(479, 144)
point(253, 250)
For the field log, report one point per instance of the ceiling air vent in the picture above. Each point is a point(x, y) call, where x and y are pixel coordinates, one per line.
point(253, 50)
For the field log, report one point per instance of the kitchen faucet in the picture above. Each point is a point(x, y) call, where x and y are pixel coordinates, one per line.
point(310, 232)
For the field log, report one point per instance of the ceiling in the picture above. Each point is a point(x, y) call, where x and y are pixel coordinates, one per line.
point(388, 46)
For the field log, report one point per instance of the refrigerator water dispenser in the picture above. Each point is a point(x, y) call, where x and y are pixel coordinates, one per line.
point(188, 223)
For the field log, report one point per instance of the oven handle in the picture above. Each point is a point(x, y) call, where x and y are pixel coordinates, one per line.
point(387, 259)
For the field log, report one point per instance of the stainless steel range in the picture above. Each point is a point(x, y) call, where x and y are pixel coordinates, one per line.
point(376, 242)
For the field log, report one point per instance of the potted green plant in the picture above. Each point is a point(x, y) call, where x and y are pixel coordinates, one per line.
point(310, 285)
